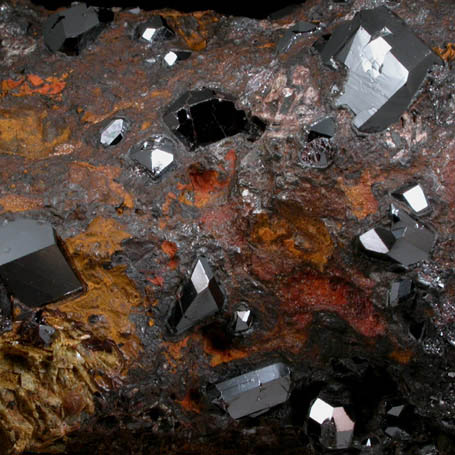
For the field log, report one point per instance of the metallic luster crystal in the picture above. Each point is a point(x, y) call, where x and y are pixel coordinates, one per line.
point(291, 34)
point(386, 65)
point(173, 57)
point(322, 128)
point(155, 154)
point(371, 446)
point(254, 393)
point(336, 427)
point(198, 299)
point(201, 117)
point(113, 133)
point(399, 291)
point(73, 29)
point(32, 266)
point(243, 319)
point(155, 29)
point(415, 198)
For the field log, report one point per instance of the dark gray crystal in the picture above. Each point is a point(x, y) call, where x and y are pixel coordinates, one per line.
point(318, 153)
point(399, 291)
point(243, 319)
point(32, 265)
point(113, 133)
point(173, 57)
point(386, 65)
point(155, 29)
point(254, 393)
point(73, 29)
point(155, 154)
point(322, 128)
point(336, 429)
point(398, 421)
point(414, 197)
point(46, 333)
point(198, 299)
point(292, 34)
point(201, 117)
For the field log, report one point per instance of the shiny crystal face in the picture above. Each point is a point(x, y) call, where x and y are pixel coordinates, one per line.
point(113, 133)
point(407, 241)
point(173, 57)
point(73, 29)
point(155, 154)
point(32, 266)
point(336, 427)
point(399, 291)
point(414, 197)
point(154, 30)
point(198, 299)
point(243, 319)
point(386, 65)
point(254, 393)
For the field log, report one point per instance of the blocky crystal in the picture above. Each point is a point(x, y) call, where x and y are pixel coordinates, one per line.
point(322, 128)
point(198, 299)
point(113, 133)
point(254, 393)
point(155, 29)
point(243, 319)
point(155, 154)
point(336, 429)
point(173, 57)
point(73, 29)
point(292, 34)
point(32, 265)
point(414, 197)
point(387, 64)
point(398, 421)
point(202, 117)
point(399, 291)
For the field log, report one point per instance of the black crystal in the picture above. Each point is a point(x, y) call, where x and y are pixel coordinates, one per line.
point(322, 128)
point(173, 57)
point(114, 132)
point(399, 291)
point(155, 29)
point(198, 299)
point(156, 154)
point(32, 265)
point(319, 153)
point(387, 64)
point(414, 196)
point(255, 392)
point(243, 319)
point(202, 117)
point(399, 421)
point(292, 33)
point(72, 30)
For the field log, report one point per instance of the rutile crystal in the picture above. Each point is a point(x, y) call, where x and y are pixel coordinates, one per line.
point(201, 117)
point(399, 291)
point(173, 57)
point(322, 128)
point(113, 133)
point(73, 29)
point(414, 197)
point(335, 427)
point(386, 65)
point(254, 393)
point(155, 29)
point(32, 265)
point(243, 319)
point(155, 154)
point(198, 299)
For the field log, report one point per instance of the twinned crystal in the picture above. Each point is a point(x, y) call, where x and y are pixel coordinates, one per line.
point(254, 393)
point(73, 29)
point(386, 65)
point(154, 30)
point(201, 117)
point(334, 428)
point(198, 299)
point(32, 265)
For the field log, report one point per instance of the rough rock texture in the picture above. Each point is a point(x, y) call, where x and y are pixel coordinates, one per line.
point(278, 234)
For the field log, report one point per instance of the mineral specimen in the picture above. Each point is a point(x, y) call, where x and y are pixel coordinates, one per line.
point(243, 319)
point(72, 30)
point(32, 265)
point(399, 291)
point(154, 30)
point(254, 393)
point(414, 197)
point(113, 133)
point(322, 128)
point(387, 64)
point(199, 298)
point(172, 57)
point(202, 117)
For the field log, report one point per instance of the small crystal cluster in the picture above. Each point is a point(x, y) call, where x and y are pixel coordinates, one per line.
point(154, 30)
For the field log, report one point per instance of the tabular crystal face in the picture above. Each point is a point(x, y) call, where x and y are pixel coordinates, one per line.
point(399, 291)
point(398, 421)
point(254, 393)
point(32, 266)
point(73, 29)
point(113, 133)
point(154, 30)
point(292, 34)
point(322, 128)
point(407, 241)
point(414, 197)
point(335, 428)
point(173, 57)
point(155, 154)
point(386, 65)
point(199, 298)
point(243, 319)
point(202, 117)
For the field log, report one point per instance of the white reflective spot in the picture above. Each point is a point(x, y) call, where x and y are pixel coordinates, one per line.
point(416, 199)
point(321, 411)
point(372, 242)
point(112, 131)
point(160, 160)
point(148, 34)
point(244, 315)
point(170, 58)
point(199, 278)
